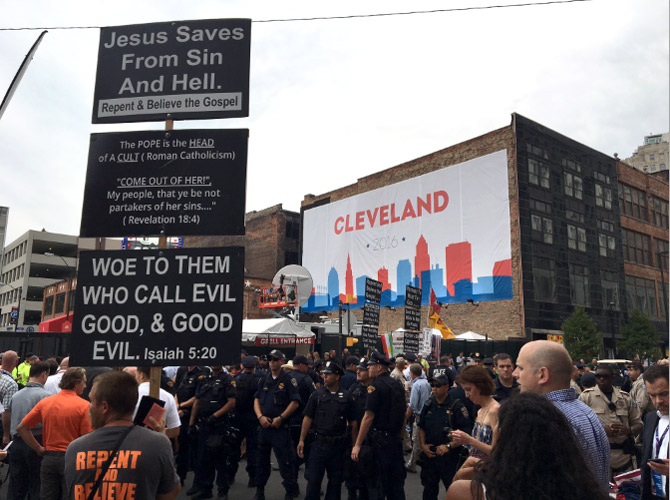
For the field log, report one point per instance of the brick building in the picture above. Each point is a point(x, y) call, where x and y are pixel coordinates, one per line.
point(565, 231)
point(271, 241)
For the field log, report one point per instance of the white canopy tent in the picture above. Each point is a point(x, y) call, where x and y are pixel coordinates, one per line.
point(472, 336)
point(276, 332)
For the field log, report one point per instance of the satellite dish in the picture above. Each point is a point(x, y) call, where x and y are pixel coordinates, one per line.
point(297, 276)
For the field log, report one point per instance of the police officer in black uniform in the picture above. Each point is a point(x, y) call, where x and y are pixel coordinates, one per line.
point(275, 401)
point(185, 400)
point(306, 387)
point(246, 385)
point(381, 425)
point(358, 392)
point(440, 415)
point(327, 413)
point(214, 400)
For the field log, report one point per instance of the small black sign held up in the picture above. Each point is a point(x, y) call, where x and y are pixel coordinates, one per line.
point(369, 337)
point(412, 319)
point(182, 70)
point(154, 183)
point(412, 297)
point(411, 342)
point(371, 314)
point(373, 290)
point(181, 307)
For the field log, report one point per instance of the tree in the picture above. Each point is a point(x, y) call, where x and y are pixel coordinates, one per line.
point(581, 336)
point(640, 336)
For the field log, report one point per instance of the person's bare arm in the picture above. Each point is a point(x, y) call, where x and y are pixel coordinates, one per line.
point(6, 424)
point(29, 439)
point(366, 423)
point(306, 424)
point(170, 496)
point(459, 490)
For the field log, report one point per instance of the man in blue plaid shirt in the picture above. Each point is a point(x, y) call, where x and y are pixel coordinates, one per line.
point(8, 388)
point(545, 367)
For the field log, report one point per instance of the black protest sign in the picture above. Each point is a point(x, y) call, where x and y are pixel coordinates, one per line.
point(411, 343)
point(160, 307)
point(371, 314)
point(412, 297)
point(412, 319)
point(373, 290)
point(369, 337)
point(159, 183)
point(183, 70)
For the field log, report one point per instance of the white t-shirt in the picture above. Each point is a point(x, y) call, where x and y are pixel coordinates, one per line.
point(51, 385)
point(171, 413)
point(663, 450)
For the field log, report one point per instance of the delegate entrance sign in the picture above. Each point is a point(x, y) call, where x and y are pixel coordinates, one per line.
point(182, 70)
point(177, 307)
point(153, 183)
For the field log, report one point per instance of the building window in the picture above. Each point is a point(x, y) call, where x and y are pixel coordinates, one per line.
point(603, 197)
point(610, 289)
point(605, 225)
point(607, 245)
point(574, 216)
point(659, 212)
point(49, 305)
point(290, 258)
point(576, 238)
point(292, 229)
point(540, 206)
point(537, 151)
point(663, 291)
point(641, 294)
point(579, 285)
point(542, 229)
point(651, 157)
point(572, 165)
point(661, 257)
point(633, 202)
point(602, 177)
point(60, 303)
point(636, 247)
point(544, 280)
point(573, 185)
point(538, 173)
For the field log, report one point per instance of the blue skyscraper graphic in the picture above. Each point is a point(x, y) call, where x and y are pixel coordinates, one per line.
point(333, 287)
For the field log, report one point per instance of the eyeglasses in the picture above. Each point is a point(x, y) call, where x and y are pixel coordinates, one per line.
point(601, 376)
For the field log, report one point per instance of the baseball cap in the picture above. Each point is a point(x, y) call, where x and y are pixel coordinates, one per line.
point(276, 354)
point(488, 361)
point(249, 361)
point(351, 360)
point(300, 359)
point(441, 379)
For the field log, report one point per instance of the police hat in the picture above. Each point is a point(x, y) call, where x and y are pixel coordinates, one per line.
point(377, 358)
point(300, 360)
point(441, 379)
point(477, 357)
point(351, 360)
point(488, 361)
point(411, 357)
point(332, 367)
point(276, 354)
point(362, 364)
point(249, 361)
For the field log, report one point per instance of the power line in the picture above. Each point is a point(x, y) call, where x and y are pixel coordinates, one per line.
point(353, 16)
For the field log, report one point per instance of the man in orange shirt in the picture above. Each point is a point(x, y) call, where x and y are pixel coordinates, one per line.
point(64, 418)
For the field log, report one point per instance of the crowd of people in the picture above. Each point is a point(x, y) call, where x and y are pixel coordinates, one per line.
point(541, 427)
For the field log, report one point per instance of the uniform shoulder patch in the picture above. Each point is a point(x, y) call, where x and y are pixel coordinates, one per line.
point(371, 389)
point(294, 382)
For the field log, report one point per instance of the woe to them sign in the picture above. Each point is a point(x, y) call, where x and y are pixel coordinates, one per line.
point(185, 69)
point(153, 183)
point(177, 307)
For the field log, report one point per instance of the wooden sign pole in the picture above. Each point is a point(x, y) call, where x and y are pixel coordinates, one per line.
point(155, 374)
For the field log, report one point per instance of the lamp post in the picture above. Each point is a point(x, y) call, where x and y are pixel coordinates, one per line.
point(610, 308)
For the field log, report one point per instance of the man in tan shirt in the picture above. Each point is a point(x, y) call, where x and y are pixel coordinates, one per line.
point(639, 392)
point(620, 417)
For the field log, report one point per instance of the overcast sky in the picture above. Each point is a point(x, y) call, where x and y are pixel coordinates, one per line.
point(335, 100)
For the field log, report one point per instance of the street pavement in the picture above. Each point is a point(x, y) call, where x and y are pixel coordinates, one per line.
point(273, 491)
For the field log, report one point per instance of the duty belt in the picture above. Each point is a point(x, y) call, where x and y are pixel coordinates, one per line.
point(330, 439)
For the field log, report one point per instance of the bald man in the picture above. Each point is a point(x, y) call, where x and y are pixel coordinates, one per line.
point(8, 388)
point(545, 367)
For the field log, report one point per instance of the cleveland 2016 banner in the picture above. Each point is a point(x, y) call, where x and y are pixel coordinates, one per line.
point(448, 230)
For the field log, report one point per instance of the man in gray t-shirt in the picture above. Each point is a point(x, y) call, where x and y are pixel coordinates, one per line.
point(143, 467)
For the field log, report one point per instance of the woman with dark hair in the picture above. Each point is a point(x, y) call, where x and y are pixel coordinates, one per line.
point(478, 387)
point(536, 458)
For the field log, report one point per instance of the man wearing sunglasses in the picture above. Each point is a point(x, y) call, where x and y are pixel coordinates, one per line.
point(619, 415)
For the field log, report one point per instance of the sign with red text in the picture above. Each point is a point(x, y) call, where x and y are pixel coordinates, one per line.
point(448, 230)
point(182, 70)
point(283, 341)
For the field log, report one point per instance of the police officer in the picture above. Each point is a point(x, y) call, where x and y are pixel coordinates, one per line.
point(619, 415)
point(305, 389)
point(185, 400)
point(214, 399)
point(358, 392)
point(440, 415)
point(382, 423)
point(350, 376)
point(275, 401)
point(326, 415)
point(246, 385)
